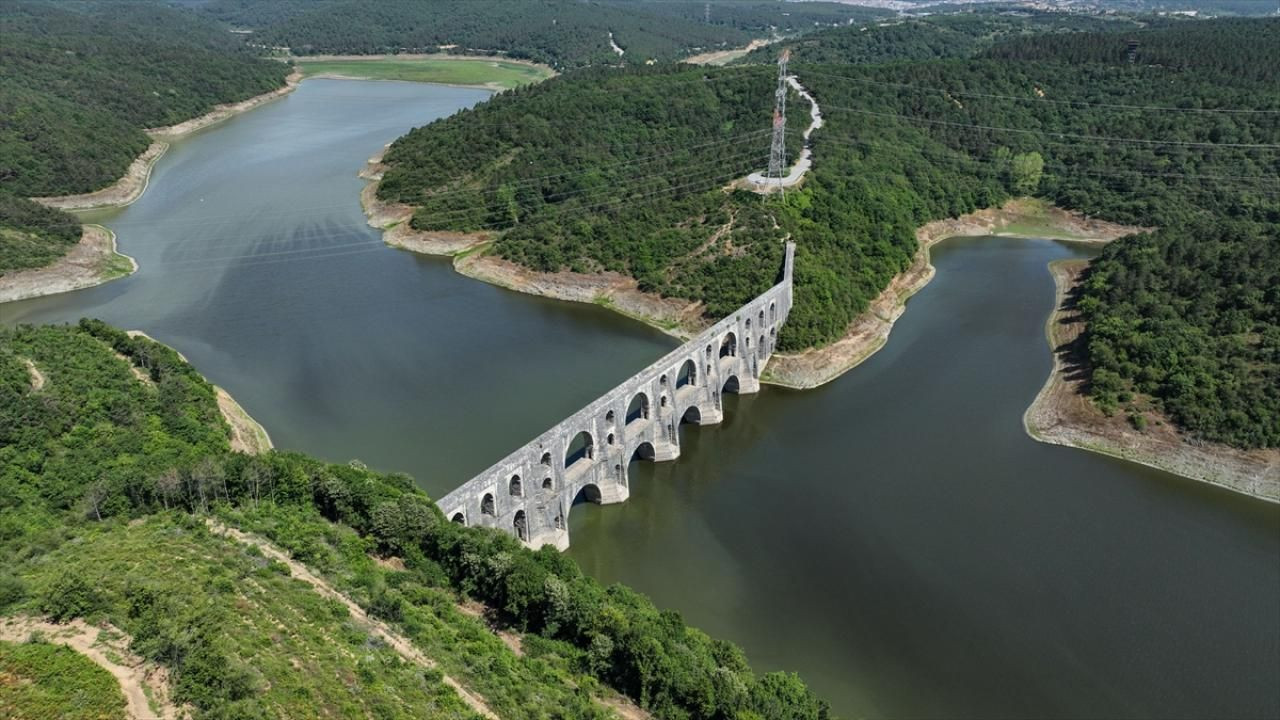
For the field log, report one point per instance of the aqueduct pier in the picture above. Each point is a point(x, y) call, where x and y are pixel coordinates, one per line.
point(530, 492)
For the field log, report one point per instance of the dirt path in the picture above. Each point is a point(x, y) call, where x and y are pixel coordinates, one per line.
point(870, 331)
point(109, 650)
point(402, 645)
point(1062, 414)
point(90, 262)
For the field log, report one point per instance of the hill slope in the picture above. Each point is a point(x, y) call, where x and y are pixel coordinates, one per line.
point(113, 462)
point(1150, 144)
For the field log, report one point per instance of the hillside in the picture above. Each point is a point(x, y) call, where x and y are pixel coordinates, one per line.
point(564, 34)
point(116, 484)
point(1149, 144)
point(935, 37)
point(78, 85)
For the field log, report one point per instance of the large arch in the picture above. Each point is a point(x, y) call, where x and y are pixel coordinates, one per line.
point(581, 449)
point(731, 385)
point(589, 493)
point(692, 414)
point(642, 451)
point(638, 408)
point(729, 345)
point(688, 374)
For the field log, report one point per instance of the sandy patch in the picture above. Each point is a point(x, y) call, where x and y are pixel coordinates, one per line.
point(92, 261)
point(724, 57)
point(109, 650)
point(1063, 415)
point(37, 377)
point(870, 330)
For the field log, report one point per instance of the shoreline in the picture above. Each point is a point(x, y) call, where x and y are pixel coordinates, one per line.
point(680, 319)
point(133, 184)
point(1062, 415)
point(870, 330)
point(247, 435)
point(93, 261)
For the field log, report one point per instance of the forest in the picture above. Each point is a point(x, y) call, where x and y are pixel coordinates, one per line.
point(561, 33)
point(1148, 142)
point(936, 37)
point(111, 463)
point(78, 85)
point(564, 34)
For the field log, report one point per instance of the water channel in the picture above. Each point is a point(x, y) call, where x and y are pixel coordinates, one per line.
point(895, 536)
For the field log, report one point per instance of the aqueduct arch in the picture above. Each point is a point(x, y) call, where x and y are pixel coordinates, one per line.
point(530, 492)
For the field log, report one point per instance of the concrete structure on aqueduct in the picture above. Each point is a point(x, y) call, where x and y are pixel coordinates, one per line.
point(529, 493)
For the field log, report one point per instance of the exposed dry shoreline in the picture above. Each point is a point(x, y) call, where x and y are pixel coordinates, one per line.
point(92, 261)
point(679, 318)
point(870, 330)
point(134, 182)
point(1063, 415)
point(247, 435)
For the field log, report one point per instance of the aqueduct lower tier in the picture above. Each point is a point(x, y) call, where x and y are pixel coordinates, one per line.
point(530, 492)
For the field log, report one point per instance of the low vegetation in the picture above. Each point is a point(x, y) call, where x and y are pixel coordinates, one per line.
point(104, 480)
point(498, 73)
point(39, 680)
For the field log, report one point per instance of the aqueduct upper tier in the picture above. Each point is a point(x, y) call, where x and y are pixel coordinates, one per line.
point(530, 492)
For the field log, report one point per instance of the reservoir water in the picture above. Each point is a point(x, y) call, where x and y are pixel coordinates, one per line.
point(895, 536)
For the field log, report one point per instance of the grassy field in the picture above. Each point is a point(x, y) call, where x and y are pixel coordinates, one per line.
point(498, 74)
point(39, 680)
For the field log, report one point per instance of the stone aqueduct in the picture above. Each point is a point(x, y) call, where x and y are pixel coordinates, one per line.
point(530, 492)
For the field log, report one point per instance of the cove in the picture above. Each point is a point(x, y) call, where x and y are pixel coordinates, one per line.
point(897, 538)
point(894, 536)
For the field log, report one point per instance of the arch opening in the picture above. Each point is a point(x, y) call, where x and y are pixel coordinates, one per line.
point(729, 346)
point(547, 484)
point(487, 505)
point(608, 417)
point(521, 526)
point(638, 409)
point(581, 449)
point(643, 451)
point(692, 415)
point(515, 488)
point(731, 385)
point(546, 459)
point(459, 518)
point(688, 374)
point(589, 493)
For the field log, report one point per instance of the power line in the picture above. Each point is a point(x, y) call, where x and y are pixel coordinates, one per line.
point(1063, 135)
point(1047, 101)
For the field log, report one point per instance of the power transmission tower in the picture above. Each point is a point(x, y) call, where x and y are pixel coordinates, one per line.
point(778, 150)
